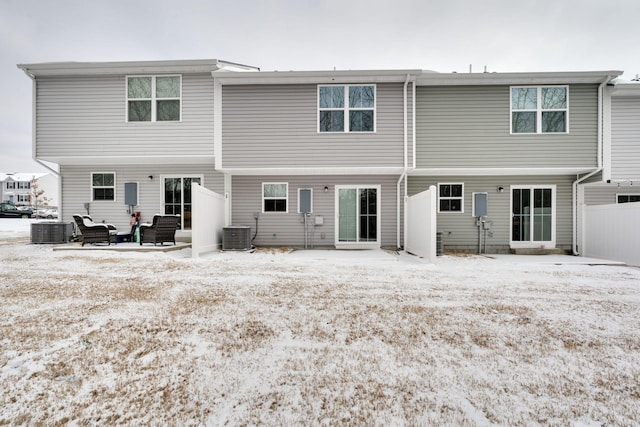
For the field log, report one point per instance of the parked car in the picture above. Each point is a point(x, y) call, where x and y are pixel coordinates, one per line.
point(47, 213)
point(7, 210)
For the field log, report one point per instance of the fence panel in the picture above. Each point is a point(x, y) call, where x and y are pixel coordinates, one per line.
point(420, 224)
point(207, 220)
point(612, 232)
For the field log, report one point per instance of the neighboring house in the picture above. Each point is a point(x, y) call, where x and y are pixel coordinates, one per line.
point(620, 179)
point(339, 145)
point(16, 188)
point(523, 139)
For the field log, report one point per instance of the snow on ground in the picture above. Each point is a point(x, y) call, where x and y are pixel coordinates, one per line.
point(283, 337)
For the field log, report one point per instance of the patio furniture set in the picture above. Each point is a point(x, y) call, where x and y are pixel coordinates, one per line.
point(162, 229)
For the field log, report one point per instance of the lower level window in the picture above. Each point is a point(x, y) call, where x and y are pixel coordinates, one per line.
point(103, 186)
point(275, 196)
point(627, 198)
point(450, 197)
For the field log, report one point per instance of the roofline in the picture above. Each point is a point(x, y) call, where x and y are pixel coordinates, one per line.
point(625, 88)
point(129, 67)
point(520, 78)
point(326, 76)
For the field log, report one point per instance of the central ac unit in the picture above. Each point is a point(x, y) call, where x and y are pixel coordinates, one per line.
point(236, 238)
point(51, 232)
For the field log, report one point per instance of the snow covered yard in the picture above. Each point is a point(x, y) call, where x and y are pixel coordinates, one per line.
point(312, 338)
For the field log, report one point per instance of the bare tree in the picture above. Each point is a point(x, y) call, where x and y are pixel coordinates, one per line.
point(36, 195)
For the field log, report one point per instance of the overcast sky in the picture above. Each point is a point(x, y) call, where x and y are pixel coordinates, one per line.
point(445, 36)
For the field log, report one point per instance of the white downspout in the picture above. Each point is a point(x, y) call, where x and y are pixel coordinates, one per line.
point(405, 162)
point(574, 246)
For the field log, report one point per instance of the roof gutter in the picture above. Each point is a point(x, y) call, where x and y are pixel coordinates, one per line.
point(599, 168)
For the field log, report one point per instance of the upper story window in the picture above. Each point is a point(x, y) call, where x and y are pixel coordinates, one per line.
point(275, 196)
point(11, 185)
point(540, 109)
point(103, 186)
point(627, 198)
point(450, 197)
point(346, 108)
point(24, 185)
point(154, 98)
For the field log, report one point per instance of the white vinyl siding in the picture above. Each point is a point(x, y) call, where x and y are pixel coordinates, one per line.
point(86, 117)
point(275, 126)
point(469, 127)
point(625, 138)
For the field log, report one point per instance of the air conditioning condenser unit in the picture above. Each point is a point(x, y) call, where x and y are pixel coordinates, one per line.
point(236, 238)
point(51, 232)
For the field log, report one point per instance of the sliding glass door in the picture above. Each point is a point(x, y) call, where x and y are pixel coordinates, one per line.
point(177, 198)
point(357, 215)
point(533, 216)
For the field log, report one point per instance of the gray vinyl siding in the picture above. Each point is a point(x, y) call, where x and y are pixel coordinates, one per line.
point(625, 138)
point(76, 190)
point(86, 116)
point(469, 126)
point(270, 126)
point(287, 229)
point(459, 229)
point(606, 194)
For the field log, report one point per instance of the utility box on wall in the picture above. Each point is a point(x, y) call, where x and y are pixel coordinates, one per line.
point(305, 200)
point(480, 204)
point(131, 193)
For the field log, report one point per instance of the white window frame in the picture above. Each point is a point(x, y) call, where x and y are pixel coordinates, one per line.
point(106, 186)
point(533, 243)
point(299, 190)
point(461, 211)
point(286, 198)
point(154, 100)
point(23, 185)
point(538, 110)
point(23, 198)
point(626, 195)
point(11, 185)
point(346, 109)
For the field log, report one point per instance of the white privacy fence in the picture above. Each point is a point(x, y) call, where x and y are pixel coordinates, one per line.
point(207, 220)
point(612, 232)
point(420, 224)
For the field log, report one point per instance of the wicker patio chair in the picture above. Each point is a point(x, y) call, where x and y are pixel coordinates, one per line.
point(94, 232)
point(162, 229)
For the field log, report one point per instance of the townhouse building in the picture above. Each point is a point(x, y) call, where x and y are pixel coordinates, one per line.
point(326, 157)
